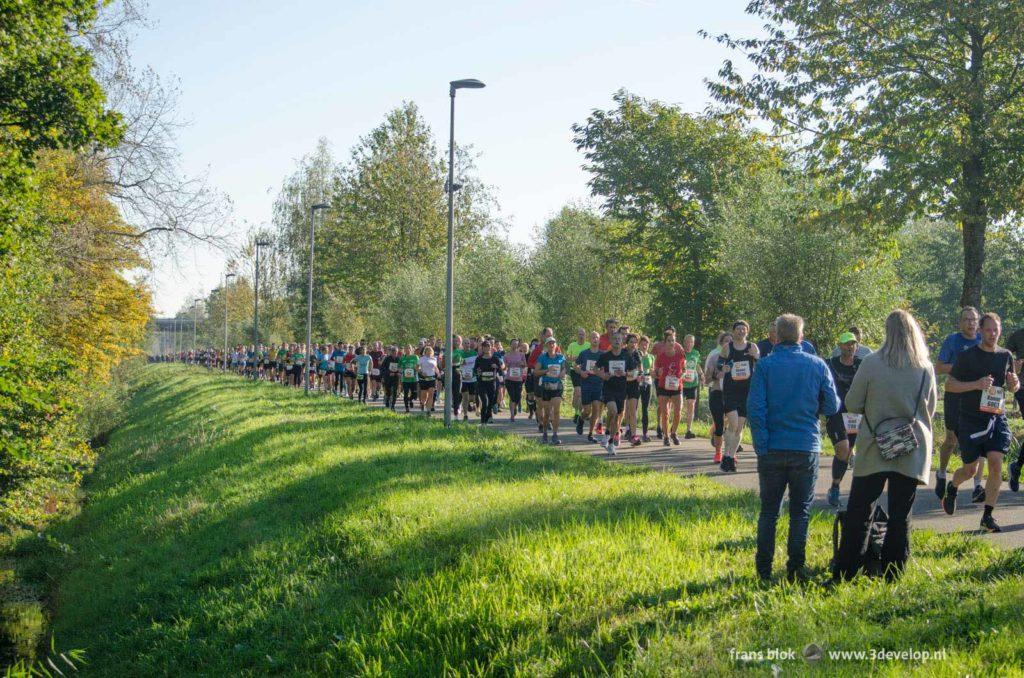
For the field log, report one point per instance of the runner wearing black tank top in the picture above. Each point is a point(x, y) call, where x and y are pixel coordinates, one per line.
point(737, 360)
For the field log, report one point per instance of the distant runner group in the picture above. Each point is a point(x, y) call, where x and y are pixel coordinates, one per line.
point(614, 374)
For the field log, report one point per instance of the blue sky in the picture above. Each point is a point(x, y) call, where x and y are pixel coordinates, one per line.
point(260, 82)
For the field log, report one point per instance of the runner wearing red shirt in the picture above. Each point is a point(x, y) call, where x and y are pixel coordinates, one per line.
point(668, 369)
point(610, 326)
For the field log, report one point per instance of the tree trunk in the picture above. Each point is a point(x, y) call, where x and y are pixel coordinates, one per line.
point(974, 193)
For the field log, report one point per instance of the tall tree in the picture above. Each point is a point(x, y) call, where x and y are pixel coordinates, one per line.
point(917, 106)
point(664, 173)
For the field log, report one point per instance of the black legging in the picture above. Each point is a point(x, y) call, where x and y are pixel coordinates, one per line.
point(361, 380)
point(717, 406)
point(864, 491)
point(390, 392)
point(487, 391)
point(515, 392)
point(408, 393)
point(645, 402)
point(456, 390)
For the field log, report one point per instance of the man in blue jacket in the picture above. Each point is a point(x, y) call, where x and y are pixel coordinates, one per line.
point(790, 390)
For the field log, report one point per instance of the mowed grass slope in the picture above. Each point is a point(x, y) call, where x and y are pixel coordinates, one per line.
point(236, 528)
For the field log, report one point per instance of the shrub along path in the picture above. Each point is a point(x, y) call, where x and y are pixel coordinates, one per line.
point(238, 528)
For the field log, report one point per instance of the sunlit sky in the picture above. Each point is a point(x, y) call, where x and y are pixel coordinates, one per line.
point(261, 81)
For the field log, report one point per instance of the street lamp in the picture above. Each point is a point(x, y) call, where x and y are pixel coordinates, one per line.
point(309, 299)
point(195, 320)
point(454, 85)
point(227, 276)
point(256, 291)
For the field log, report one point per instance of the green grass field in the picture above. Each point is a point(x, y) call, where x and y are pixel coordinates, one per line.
point(235, 528)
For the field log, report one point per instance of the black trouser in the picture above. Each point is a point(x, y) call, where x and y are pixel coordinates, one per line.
point(390, 392)
point(896, 547)
point(487, 391)
point(361, 380)
point(408, 393)
point(456, 390)
point(645, 402)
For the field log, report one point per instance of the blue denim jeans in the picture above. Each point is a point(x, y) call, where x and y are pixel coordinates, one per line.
point(777, 470)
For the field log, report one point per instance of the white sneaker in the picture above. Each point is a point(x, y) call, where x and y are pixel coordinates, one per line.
point(610, 446)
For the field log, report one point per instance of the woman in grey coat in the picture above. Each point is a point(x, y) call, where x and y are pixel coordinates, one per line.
point(893, 387)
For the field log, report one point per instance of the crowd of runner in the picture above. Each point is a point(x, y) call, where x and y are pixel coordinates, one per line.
point(615, 375)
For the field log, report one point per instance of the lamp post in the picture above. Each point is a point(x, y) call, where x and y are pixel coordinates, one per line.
point(309, 299)
point(227, 276)
point(195, 320)
point(451, 187)
point(256, 295)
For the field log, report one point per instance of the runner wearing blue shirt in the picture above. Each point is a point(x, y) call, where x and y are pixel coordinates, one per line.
point(591, 386)
point(955, 344)
point(550, 369)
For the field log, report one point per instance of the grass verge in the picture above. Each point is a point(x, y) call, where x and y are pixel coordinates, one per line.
point(237, 528)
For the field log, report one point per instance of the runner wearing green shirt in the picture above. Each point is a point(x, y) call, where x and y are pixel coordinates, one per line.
point(408, 367)
point(572, 352)
point(282, 364)
point(646, 370)
point(692, 374)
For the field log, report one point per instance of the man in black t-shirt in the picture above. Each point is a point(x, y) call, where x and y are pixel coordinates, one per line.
point(842, 426)
point(487, 368)
point(981, 375)
point(613, 366)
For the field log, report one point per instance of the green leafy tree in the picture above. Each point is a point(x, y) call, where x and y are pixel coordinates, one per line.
point(918, 107)
point(664, 173)
point(574, 281)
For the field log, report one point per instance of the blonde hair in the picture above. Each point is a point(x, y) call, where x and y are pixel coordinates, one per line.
point(904, 344)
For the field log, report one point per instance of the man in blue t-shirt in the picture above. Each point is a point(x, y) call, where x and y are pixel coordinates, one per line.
point(591, 386)
point(953, 345)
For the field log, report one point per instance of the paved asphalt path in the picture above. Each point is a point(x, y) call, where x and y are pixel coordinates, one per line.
point(694, 457)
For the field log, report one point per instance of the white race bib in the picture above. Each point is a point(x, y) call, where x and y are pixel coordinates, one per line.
point(741, 370)
point(590, 365)
point(690, 376)
point(375, 372)
point(409, 373)
point(467, 373)
point(992, 400)
point(646, 379)
point(487, 376)
point(393, 367)
point(554, 370)
point(515, 372)
point(616, 366)
point(851, 422)
point(671, 383)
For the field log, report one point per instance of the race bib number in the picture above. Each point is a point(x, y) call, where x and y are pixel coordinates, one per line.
point(616, 366)
point(554, 370)
point(552, 385)
point(393, 367)
point(671, 383)
point(330, 363)
point(741, 370)
point(515, 372)
point(409, 373)
point(590, 365)
point(690, 376)
point(375, 372)
point(851, 422)
point(992, 400)
point(646, 379)
point(487, 376)
point(467, 373)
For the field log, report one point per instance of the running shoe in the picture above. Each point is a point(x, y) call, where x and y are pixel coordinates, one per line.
point(949, 499)
point(575, 418)
point(615, 443)
point(675, 439)
point(635, 440)
point(1014, 473)
point(465, 416)
point(555, 440)
point(599, 429)
point(591, 439)
point(610, 447)
point(723, 465)
point(978, 495)
point(718, 457)
point(579, 426)
point(833, 496)
point(989, 524)
point(665, 441)
point(544, 438)
point(646, 438)
point(739, 448)
point(689, 435)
